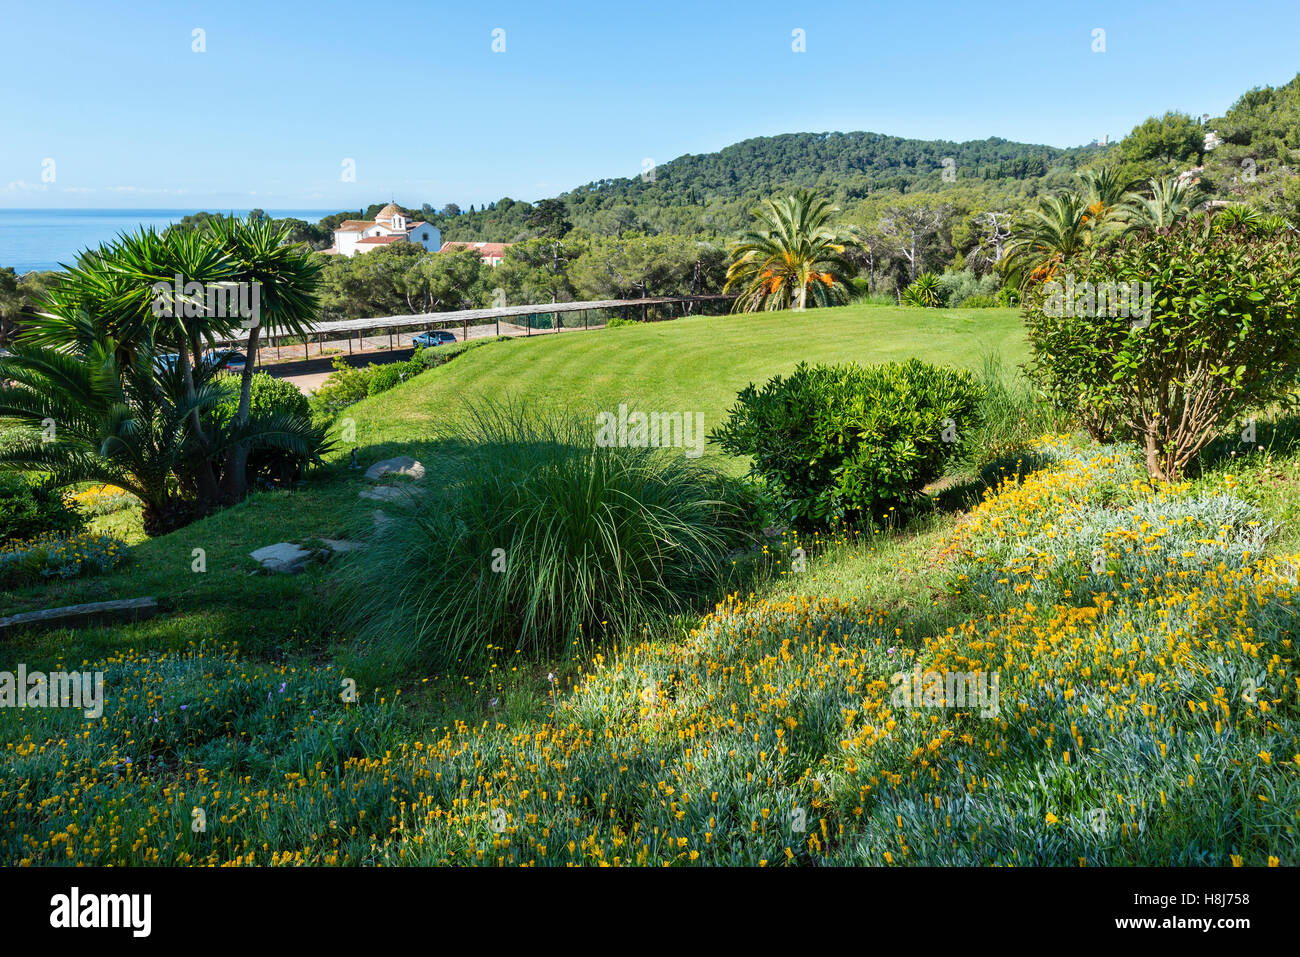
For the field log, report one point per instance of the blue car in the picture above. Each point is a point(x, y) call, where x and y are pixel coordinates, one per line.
point(430, 339)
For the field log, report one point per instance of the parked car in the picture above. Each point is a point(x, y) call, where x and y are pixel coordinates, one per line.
point(429, 339)
point(226, 360)
point(165, 361)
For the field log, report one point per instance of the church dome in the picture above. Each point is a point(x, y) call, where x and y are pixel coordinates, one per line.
point(389, 211)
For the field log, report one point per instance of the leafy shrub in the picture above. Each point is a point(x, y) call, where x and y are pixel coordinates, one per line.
point(270, 397)
point(960, 287)
point(345, 386)
point(618, 322)
point(527, 535)
point(851, 442)
point(979, 301)
point(441, 355)
point(386, 377)
point(58, 556)
point(1220, 339)
point(269, 394)
point(29, 509)
point(924, 291)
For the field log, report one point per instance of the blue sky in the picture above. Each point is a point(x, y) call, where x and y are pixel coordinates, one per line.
point(414, 94)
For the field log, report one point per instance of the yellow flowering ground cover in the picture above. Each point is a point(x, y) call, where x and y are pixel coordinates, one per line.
point(1146, 713)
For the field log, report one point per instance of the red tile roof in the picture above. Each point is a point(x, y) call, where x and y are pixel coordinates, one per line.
point(485, 250)
point(382, 239)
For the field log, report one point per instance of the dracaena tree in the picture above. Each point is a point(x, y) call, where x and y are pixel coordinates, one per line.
point(287, 278)
point(87, 415)
point(146, 293)
point(793, 259)
point(135, 317)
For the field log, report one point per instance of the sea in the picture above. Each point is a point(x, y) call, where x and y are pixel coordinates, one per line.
point(38, 239)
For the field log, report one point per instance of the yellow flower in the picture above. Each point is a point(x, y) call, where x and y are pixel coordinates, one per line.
point(1051, 818)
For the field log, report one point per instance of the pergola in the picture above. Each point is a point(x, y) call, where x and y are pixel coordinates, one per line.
point(339, 328)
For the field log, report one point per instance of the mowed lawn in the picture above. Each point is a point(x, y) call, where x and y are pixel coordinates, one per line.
point(685, 365)
point(694, 365)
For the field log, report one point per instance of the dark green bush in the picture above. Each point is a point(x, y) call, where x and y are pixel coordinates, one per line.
point(345, 386)
point(29, 510)
point(269, 397)
point(438, 355)
point(270, 394)
point(851, 442)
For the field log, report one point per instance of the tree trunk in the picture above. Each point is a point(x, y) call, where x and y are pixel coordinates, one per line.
point(234, 481)
point(205, 478)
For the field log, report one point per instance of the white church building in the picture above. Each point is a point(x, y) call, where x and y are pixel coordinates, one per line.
point(354, 236)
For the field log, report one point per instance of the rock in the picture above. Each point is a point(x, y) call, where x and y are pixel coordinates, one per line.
point(342, 545)
point(78, 616)
point(382, 520)
point(285, 557)
point(402, 465)
point(385, 493)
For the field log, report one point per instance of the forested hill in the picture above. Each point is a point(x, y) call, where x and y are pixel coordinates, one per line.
point(713, 193)
point(856, 163)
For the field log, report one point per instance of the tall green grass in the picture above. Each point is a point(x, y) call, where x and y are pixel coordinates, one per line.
point(1012, 414)
point(525, 535)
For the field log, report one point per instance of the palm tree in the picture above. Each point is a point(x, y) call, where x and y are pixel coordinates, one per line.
point(287, 276)
point(1171, 200)
point(1057, 232)
point(85, 415)
point(796, 258)
point(125, 292)
point(1104, 190)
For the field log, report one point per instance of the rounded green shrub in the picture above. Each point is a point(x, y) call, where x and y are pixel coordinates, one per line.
point(385, 378)
point(849, 442)
point(269, 397)
point(269, 394)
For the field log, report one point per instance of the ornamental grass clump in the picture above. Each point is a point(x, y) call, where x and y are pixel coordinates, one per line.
point(527, 535)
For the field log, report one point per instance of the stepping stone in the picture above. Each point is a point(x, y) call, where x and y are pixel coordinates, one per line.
point(342, 545)
point(284, 557)
point(402, 465)
point(385, 493)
